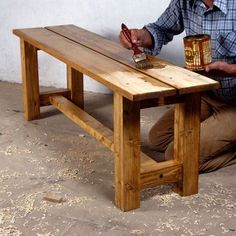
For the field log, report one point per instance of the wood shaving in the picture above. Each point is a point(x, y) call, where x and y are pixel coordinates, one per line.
point(52, 197)
point(10, 230)
point(137, 232)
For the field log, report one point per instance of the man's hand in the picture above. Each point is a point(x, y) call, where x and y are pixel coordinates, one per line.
point(222, 66)
point(140, 37)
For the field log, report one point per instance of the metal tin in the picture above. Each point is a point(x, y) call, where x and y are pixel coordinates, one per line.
point(197, 50)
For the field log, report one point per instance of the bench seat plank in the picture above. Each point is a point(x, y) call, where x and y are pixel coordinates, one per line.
point(116, 76)
point(184, 80)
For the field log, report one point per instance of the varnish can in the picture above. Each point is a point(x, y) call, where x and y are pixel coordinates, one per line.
point(197, 50)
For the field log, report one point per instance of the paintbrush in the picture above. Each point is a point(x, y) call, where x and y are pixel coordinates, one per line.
point(139, 57)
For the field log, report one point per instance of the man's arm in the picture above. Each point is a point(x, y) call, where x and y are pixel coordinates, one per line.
point(170, 23)
point(154, 35)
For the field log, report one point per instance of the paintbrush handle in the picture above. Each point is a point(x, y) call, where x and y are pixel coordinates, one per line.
point(127, 34)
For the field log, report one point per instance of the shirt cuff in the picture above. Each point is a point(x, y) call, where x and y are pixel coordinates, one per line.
point(155, 46)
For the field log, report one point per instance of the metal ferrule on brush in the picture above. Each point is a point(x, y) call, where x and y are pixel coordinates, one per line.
point(139, 57)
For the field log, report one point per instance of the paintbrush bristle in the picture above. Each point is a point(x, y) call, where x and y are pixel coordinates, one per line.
point(142, 62)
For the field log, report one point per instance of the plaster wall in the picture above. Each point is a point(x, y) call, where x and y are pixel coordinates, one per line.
point(102, 16)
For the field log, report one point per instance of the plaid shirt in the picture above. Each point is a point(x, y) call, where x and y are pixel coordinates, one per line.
point(194, 17)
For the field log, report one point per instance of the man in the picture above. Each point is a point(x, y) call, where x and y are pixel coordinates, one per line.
point(218, 110)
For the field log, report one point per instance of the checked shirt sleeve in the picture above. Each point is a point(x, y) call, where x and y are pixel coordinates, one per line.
point(163, 30)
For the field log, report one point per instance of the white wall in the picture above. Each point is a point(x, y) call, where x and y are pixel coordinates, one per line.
point(100, 16)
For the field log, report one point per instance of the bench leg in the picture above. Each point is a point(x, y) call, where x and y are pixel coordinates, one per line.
point(127, 153)
point(187, 143)
point(30, 80)
point(75, 85)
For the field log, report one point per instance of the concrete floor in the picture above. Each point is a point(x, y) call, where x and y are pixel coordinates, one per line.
point(54, 155)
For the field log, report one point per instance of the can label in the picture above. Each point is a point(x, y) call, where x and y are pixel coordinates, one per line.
point(197, 50)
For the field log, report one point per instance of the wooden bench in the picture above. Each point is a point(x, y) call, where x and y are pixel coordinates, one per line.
point(107, 62)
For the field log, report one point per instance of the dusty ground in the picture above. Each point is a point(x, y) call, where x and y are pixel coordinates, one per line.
point(54, 155)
